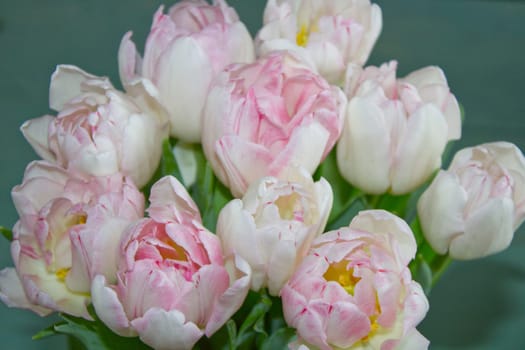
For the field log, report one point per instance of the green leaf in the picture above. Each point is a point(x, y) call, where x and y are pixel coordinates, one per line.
point(257, 312)
point(46, 332)
point(279, 339)
point(232, 333)
point(168, 163)
point(88, 337)
point(7, 233)
point(93, 335)
point(259, 327)
point(203, 191)
point(90, 333)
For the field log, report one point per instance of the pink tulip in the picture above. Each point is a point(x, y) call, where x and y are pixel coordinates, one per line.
point(69, 230)
point(184, 51)
point(100, 131)
point(395, 129)
point(263, 117)
point(329, 33)
point(273, 226)
point(354, 290)
point(173, 286)
point(472, 209)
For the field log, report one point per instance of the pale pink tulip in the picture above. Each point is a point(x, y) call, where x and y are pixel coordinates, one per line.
point(100, 131)
point(472, 209)
point(69, 231)
point(173, 286)
point(273, 226)
point(354, 289)
point(263, 117)
point(184, 51)
point(331, 34)
point(395, 130)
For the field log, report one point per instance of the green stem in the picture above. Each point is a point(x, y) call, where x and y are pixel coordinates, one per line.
point(439, 265)
point(372, 201)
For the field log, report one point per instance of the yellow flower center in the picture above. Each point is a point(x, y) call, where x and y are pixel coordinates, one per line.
point(338, 273)
point(289, 207)
point(81, 219)
point(304, 34)
point(62, 274)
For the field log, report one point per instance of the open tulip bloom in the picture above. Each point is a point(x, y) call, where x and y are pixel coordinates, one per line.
point(254, 207)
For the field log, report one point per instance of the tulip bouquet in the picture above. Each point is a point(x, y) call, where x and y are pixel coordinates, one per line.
point(252, 193)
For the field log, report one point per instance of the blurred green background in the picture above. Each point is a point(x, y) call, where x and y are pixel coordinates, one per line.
point(479, 44)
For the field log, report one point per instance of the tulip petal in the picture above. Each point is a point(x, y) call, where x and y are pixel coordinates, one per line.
point(109, 308)
point(166, 330)
point(245, 162)
point(186, 160)
point(185, 110)
point(420, 153)
point(66, 83)
point(171, 202)
point(384, 222)
point(13, 295)
point(231, 300)
point(305, 147)
point(363, 151)
point(440, 211)
point(346, 325)
point(413, 340)
point(280, 265)
point(36, 133)
point(148, 150)
point(416, 306)
point(42, 183)
point(487, 231)
point(129, 61)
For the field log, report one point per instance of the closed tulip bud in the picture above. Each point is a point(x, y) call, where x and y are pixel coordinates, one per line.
point(184, 51)
point(395, 130)
point(472, 209)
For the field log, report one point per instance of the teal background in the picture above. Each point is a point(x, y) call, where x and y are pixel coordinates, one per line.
point(480, 45)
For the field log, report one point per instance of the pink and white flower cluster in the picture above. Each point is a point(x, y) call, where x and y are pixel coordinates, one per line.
point(265, 115)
